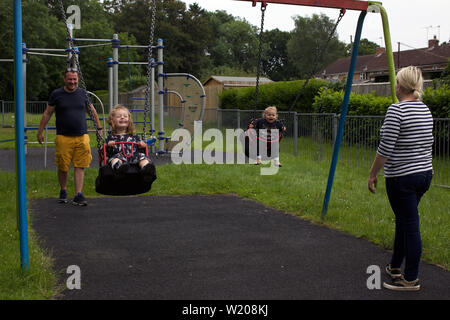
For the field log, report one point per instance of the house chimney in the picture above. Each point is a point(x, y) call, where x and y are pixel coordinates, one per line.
point(433, 42)
point(380, 50)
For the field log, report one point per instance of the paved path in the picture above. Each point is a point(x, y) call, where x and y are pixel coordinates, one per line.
point(210, 247)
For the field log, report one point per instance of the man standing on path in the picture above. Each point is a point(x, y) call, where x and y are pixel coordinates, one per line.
point(69, 103)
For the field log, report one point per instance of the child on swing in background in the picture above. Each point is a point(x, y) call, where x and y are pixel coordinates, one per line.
point(121, 155)
point(268, 121)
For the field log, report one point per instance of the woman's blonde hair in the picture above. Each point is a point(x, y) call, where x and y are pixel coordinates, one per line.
point(112, 114)
point(410, 80)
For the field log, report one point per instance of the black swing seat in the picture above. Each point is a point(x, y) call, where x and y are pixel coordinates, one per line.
point(250, 139)
point(130, 180)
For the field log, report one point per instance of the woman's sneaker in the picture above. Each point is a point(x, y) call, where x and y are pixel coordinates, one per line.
point(79, 200)
point(400, 284)
point(62, 196)
point(394, 273)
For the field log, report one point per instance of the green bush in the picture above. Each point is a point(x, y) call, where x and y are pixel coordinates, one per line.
point(281, 94)
point(330, 101)
point(438, 100)
point(321, 97)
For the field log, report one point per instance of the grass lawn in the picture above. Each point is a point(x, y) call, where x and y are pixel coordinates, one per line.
point(298, 188)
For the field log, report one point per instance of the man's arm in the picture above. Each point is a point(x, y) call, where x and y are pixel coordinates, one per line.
point(44, 121)
point(96, 119)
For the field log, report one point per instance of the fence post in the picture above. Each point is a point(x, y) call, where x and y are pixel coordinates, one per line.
point(335, 125)
point(3, 113)
point(295, 134)
point(238, 118)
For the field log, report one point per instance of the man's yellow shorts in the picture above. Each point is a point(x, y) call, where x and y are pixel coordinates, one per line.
point(74, 150)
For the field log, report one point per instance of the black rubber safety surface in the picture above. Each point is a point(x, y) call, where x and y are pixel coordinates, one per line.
point(211, 247)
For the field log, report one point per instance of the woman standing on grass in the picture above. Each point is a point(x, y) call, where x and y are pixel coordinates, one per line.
point(405, 152)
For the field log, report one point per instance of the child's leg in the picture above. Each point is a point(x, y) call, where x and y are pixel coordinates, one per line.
point(276, 160)
point(115, 163)
point(143, 163)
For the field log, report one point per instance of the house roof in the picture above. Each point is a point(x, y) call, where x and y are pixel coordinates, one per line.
point(425, 57)
point(237, 81)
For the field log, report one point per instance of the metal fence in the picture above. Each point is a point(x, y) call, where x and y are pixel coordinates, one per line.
point(309, 135)
point(313, 135)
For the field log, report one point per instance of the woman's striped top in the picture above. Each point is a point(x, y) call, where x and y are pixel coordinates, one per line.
point(407, 139)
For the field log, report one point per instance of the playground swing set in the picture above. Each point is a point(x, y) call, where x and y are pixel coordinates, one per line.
point(343, 5)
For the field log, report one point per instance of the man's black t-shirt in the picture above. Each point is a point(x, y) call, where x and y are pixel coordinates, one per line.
point(70, 111)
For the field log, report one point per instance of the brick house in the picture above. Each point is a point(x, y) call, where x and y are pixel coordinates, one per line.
point(373, 68)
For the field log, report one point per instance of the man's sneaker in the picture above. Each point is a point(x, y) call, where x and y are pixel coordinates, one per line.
point(62, 196)
point(79, 200)
point(400, 284)
point(394, 273)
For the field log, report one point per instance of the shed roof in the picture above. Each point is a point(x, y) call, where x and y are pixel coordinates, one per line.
point(237, 81)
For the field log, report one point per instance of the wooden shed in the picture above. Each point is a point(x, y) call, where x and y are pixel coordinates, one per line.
point(216, 84)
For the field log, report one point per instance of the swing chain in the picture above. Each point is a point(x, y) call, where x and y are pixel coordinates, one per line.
point(318, 58)
point(258, 68)
point(83, 84)
point(149, 68)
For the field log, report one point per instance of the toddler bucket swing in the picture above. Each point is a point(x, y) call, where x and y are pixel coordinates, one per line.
point(131, 179)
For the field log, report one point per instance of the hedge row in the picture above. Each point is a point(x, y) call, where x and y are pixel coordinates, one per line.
point(281, 94)
point(438, 100)
point(320, 96)
point(330, 101)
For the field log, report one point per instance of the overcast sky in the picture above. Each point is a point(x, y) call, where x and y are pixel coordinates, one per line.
point(411, 22)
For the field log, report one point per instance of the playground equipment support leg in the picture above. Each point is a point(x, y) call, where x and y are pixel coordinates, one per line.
point(344, 108)
point(20, 137)
point(160, 64)
point(388, 45)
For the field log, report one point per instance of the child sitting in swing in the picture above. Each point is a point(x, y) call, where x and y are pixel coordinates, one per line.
point(268, 121)
point(121, 155)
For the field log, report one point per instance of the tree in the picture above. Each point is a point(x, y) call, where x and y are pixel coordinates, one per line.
point(236, 46)
point(276, 64)
point(7, 51)
point(366, 47)
point(179, 28)
point(39, 30)
point(308, 40)
point(445, 76)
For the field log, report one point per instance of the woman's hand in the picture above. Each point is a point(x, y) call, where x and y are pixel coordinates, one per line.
point(372, 183)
